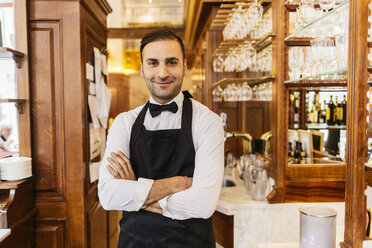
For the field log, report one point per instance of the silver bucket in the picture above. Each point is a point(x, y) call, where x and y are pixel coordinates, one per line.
point(317, 227)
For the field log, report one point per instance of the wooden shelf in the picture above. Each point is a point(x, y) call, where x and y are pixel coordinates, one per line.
point(250, 81)
point(18, 103)
point(8, 53)
point(318, 84)
point(12, 184)
point(296, 41)
point(315, 126)
point(264, 42)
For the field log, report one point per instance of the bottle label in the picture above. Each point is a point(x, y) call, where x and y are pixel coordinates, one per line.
point(328, 114)
point(339, 114)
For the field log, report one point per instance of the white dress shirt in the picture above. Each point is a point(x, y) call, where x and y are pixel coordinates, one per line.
point(199, 201)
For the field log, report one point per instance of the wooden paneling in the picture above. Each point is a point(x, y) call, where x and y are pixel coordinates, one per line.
point(50, 234)
point(113, 227)
point(47, 107)
point(63, 34)
point(223, 227)
point(356, 146)
point(97, 218)
point(119, 87)
point(257, 118)
point(315, 191)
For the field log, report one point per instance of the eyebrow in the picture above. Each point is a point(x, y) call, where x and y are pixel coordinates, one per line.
point(166, 59)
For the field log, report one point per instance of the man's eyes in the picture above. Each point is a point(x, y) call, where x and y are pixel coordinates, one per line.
point(155, 63)
point(172, 62)
point(152, 63)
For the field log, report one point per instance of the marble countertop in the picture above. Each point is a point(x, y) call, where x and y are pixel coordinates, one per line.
point(4, 233)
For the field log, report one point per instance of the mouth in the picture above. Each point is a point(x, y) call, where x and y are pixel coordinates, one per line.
point(164, 83)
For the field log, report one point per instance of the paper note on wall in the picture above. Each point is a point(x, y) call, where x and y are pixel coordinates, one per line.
point(104, 100)
point(94, 171)
point(104, 64)
point(93, 108)
point(97, 68)
point(89, 72)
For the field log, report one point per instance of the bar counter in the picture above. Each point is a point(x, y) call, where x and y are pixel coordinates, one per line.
point(259, 222)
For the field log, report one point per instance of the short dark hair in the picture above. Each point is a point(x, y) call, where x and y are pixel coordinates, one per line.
point(161, 34)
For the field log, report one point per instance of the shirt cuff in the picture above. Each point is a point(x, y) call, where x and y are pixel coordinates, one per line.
point(163, 203)
point(141, 191)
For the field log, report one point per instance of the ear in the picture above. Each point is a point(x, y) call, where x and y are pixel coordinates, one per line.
point(142, 71)
point(185, 67)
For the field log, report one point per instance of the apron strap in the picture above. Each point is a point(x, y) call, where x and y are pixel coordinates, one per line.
point(186, 114)
point(141, 117)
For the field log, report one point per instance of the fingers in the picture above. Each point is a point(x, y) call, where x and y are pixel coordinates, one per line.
point(129, 165)
point(122, 165)
point(117, 166)
point(113, 172)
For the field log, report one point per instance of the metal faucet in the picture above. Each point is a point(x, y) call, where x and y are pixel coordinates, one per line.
point(247, 145)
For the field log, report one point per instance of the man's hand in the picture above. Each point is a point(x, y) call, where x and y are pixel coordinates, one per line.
point(154, 207)
point(122, 165)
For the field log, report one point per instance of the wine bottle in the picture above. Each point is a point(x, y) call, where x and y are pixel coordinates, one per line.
point(330, 113)
point(323, 112)
point(302, 154)
point(343, 106)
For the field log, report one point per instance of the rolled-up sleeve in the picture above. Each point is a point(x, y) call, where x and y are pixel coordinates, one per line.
point(200, 201)
point(120, 194)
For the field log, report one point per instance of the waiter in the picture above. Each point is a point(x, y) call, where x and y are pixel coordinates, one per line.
point(163, 164)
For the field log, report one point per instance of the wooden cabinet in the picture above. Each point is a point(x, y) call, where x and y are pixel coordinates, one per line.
point(17, 213)
point(62, 35)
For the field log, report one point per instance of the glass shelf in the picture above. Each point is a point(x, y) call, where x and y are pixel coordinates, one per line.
point(318, 126)
point(8, 53)
point(321, 76)
point(250, 81)
point(307, 26)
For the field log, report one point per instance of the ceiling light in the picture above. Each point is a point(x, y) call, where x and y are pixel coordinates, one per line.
point(179, 1)
point(150, 1)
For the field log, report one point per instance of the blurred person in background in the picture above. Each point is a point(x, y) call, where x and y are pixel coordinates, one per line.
point(5, 140)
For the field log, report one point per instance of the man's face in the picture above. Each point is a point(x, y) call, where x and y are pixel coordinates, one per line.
point(6, 132)
point(163, 69)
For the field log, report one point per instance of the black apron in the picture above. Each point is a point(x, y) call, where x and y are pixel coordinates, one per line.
point(156, 155)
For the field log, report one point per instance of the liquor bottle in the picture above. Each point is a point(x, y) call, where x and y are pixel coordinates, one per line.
point(336, 111)
point(290, 152)
point(315, 113)
point(343, 106)
point(297, 107)
point(340, 113)
point(302, 154)
point(330, 113)
point(297, 153)
point(309, 117)
point(323, 112)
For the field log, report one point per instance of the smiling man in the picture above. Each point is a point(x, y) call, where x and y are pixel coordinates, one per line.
point(163, 164)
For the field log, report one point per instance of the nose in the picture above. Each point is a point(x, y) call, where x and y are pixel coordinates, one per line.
point(163, 72)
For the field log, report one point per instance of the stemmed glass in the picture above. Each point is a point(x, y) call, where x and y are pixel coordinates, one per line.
point(326, 5)
point(218, 64)
point(255, 12)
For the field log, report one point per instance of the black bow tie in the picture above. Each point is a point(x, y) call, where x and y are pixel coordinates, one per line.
point(156, 109)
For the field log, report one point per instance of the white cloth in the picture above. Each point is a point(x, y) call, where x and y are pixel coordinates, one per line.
point(199, 201)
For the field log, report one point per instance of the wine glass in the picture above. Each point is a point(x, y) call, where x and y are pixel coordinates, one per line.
point(326, 5)
point(255, 12)
point(218, 63)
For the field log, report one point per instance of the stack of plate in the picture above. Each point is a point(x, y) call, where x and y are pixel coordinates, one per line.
point(15, 168)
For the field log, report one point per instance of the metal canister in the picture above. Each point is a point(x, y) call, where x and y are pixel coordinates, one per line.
point(317, 227)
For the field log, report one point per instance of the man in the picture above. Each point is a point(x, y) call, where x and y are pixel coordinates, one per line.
point(5, 140)
point(164, 169)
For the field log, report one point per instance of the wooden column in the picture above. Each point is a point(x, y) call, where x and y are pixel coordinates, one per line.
point(279, 105)
point(355, 209)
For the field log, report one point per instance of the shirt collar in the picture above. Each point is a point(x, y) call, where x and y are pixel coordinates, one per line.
point(178, 99)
